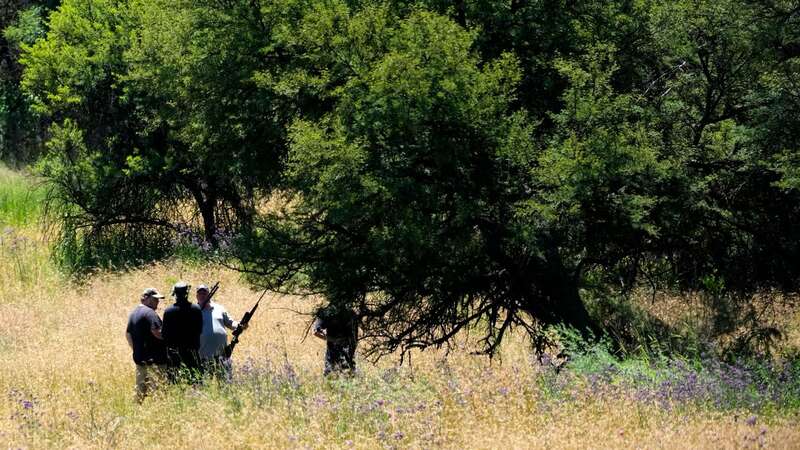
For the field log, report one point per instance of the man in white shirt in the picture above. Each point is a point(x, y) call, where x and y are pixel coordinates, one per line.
point(214, 336)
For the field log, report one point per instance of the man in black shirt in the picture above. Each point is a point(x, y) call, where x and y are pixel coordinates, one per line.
point(337, 325)
point(183, 323)
point(144, 337)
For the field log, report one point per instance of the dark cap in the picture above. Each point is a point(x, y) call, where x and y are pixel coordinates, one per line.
point(151, 292)
point(202, 287)
point(181, 288)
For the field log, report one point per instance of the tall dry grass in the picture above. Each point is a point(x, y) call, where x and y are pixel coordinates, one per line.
point(67, 377)
point(66, 380)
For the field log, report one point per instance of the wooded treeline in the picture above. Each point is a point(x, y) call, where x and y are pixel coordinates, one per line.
point(435, 165)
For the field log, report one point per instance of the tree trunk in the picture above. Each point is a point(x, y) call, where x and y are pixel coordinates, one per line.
point(209, 223)
point(561, 303)
point(557, 299)
point(206, 202)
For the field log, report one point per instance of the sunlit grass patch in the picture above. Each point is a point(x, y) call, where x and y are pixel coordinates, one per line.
point(21, 199)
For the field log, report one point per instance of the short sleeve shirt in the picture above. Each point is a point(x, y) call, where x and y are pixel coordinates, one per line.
point(214, 337)
point(147, 349)
point(183, 323)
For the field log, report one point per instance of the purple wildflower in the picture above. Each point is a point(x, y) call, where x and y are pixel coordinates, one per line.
point(291, 375)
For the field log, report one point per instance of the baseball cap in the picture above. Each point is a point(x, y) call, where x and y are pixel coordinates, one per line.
point(151, 292)
point(180, 288)
point(202, 287)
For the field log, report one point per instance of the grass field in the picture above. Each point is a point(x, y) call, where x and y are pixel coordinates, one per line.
point(66, 380)
point(20, 198)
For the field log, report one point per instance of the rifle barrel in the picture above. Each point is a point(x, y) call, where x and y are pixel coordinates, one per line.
point(240, 328)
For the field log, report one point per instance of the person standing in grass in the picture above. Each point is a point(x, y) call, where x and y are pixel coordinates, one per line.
point(183, 323)
point(337, 325)
point(144, 338)
point(214, 337)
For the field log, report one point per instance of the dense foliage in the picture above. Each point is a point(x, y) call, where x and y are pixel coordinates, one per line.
point(437, 165)
point(21, 129)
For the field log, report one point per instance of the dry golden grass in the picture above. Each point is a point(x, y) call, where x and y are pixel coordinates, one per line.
point(692, 312)
point(67, 377)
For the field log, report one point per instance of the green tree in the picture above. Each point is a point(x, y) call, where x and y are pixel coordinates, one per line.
point(437, 165)
point(402, 199)
point(725, 108)
point(21, 131)
point(428, 199)
point(158, 122)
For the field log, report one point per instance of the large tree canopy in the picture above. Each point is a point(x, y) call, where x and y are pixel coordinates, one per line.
point(438, 165)
point(443, 190)
point(158, 123)
point(401, 199)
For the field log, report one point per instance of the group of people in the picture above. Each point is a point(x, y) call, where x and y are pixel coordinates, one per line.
point(190, 342)
point(186, 345)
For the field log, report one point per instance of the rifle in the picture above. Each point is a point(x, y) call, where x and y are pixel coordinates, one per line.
point(212, 291)
point(240, 328)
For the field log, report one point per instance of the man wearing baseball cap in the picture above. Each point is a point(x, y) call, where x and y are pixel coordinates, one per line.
point(214, 337)
point(183, 323)
point(144, 337)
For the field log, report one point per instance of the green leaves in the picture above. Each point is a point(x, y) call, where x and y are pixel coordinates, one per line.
point(326, 168)
point(444, 166)
point(83, 49)
point(602, 170)
point(166, 99)
point(27, 28)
